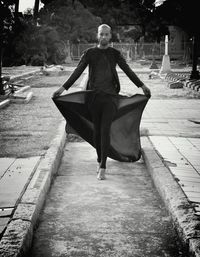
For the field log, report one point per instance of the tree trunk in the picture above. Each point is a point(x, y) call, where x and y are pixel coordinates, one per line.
point(36, 9)
point(16, 6)
point(1, 53)
point(195, 73)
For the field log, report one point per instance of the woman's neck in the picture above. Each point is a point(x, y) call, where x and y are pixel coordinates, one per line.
point(102, 47)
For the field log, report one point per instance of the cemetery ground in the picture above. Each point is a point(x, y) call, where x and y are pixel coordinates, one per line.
point(123, 216)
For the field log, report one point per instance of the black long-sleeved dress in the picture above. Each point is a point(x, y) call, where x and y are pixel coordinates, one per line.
point(125, 134)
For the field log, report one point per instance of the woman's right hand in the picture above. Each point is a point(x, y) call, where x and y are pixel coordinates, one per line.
point(58, 92)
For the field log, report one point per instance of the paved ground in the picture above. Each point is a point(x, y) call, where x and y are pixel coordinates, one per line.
point(171, 120)
point(122, 216)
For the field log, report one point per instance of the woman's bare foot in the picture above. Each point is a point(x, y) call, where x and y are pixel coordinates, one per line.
point(101, 174)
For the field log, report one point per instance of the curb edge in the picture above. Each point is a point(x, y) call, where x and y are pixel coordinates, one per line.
point(176, 202)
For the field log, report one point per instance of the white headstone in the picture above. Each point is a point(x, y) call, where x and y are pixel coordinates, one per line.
point(165, 67)
point(166, 44)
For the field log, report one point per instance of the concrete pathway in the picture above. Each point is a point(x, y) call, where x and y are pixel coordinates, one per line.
point(180, 118)
point(122, 216)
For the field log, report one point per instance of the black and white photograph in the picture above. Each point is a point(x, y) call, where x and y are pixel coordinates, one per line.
point(99, 128)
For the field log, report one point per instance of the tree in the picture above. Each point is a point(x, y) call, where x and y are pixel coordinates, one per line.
point(28, 42)
point(120, 13)
point(6, 20)
point(137, 13)
point(73, 22)
point(183, 13)
point(36, 10)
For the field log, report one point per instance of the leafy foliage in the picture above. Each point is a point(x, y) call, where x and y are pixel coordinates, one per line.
point(6, 17)
point(34, 45)
point(123, 13)
point(73, 22)
point(46, 43)
point(120, 13)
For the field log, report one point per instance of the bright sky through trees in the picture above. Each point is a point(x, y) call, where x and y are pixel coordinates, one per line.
point(24, 4)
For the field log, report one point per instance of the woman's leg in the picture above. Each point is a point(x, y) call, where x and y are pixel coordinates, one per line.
point(94, 108)
point(97, 135)
point(103, 111)
point(108, 114)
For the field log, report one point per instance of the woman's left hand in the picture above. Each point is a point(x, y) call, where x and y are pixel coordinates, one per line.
point(146, 91)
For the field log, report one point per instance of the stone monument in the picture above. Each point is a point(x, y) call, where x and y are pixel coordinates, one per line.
point(165, 67)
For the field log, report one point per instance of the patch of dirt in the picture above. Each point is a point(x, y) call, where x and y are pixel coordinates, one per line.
point(27, 129)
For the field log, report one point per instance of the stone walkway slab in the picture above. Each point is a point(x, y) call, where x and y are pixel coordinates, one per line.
point(181, 156)
point(15, 174)
point(5, 163)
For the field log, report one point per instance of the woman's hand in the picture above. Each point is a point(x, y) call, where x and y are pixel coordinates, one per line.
point(58, 92)
point(146, 91)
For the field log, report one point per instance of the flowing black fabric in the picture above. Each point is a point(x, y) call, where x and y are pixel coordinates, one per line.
point(125, 134)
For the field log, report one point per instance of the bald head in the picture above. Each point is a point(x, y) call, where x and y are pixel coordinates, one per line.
point(104, 26)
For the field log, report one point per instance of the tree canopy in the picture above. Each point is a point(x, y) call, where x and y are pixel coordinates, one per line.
point(26, 42)
point(182, 13)
point(73, 22)
point(119, 13)
point(76, 21)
